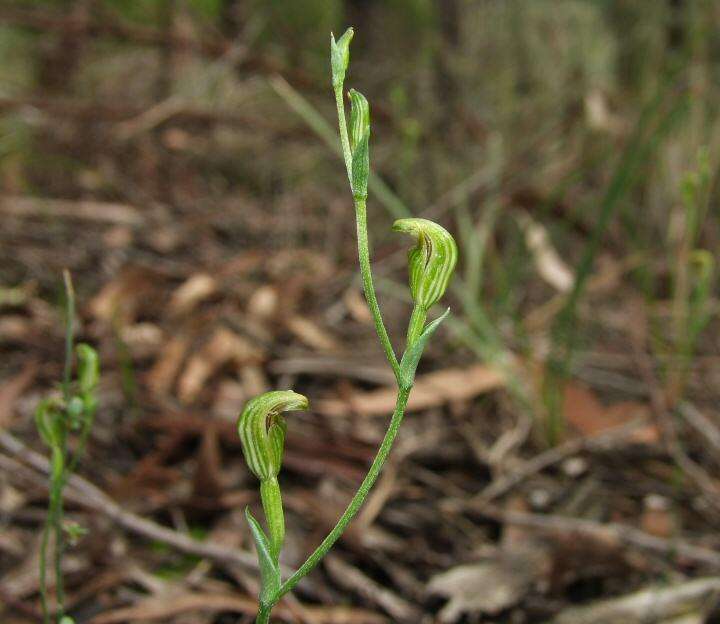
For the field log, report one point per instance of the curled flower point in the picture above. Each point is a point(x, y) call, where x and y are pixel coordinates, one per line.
point(261, 427)
point(340, 56)
point(431, 262)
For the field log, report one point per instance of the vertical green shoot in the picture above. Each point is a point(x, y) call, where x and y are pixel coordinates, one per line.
point(261, 427)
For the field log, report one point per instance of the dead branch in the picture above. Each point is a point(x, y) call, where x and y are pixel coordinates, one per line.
point(611, 533)
point(88, 495)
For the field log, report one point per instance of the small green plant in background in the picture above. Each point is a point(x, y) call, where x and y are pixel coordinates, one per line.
point(57, 418)
point(693, 275)
point(262, 426)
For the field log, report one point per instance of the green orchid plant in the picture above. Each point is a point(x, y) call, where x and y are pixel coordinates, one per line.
point(56, 418)
point(261, 425)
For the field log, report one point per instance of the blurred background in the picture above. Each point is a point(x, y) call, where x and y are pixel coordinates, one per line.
point(559, 461)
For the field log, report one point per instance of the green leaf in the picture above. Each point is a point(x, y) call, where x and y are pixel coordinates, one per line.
point(269, 569)
point(411, 357)
point(340, 57)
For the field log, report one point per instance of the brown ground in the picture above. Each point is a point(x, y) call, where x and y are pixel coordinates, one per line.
point(209, 233)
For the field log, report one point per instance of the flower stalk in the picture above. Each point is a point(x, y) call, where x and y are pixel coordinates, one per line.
point(55, 419)
point(262, 429)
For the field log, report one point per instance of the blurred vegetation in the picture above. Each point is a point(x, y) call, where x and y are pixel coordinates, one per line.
point(580, 117)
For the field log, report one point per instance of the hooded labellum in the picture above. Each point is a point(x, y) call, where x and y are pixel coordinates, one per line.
point(431, 262)
point(262, 430)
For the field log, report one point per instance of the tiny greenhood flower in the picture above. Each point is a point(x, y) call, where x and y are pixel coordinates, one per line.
point(261, 427)
point(340, 57)
point(431, 262)
point(88, 368)
point(48, 419)
point(359, 143)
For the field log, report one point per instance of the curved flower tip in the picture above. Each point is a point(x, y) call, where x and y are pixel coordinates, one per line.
point(261, 427)
point(431, 262)
point(340, 56)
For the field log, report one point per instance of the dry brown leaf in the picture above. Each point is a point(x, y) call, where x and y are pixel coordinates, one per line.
point(142, 339)
point(223, 347)
point(107, 212)
point(669, 603)
point(14, 327)
point(431, 390)
point(12, 389)
point(357, 306)
point(588, 416)
point(657, 517)
point(191, 292)
point(161, 608)
point(550, 266)
point(490, 586)
point(230, 396)
point(598, 114)
point(162, 375)
point(351, 578)
point(311, 334)
point(263, 303)
point(120, 298)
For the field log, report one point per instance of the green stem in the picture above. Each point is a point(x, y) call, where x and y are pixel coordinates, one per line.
point(416, 325)
point(357, 500)
point(59, 552)
point(344, 138)
point(369, 288)
point(272, 506)
point(263, 616)
point(43, 566)
point(53, 524)
point(363, 244)
point(69, 333)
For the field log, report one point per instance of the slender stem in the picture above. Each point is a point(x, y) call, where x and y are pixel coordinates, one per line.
point(59, 479)
point(263, 616)
point(344, 138)
point(416, 325)
point(82, 443)
point(274, 516)
point(357, 500)
point(69, 333)
point(369, 288)
point(43, 565)
point(363, 244)
point(51, 526)
point(59, 550)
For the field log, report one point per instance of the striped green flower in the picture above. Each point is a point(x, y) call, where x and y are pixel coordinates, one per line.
point(431, 262)
point(262, 430)
point(359, 143)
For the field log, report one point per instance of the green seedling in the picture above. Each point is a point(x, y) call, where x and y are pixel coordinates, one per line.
point(262, 426)
point(57, 418)
point(693, 277)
